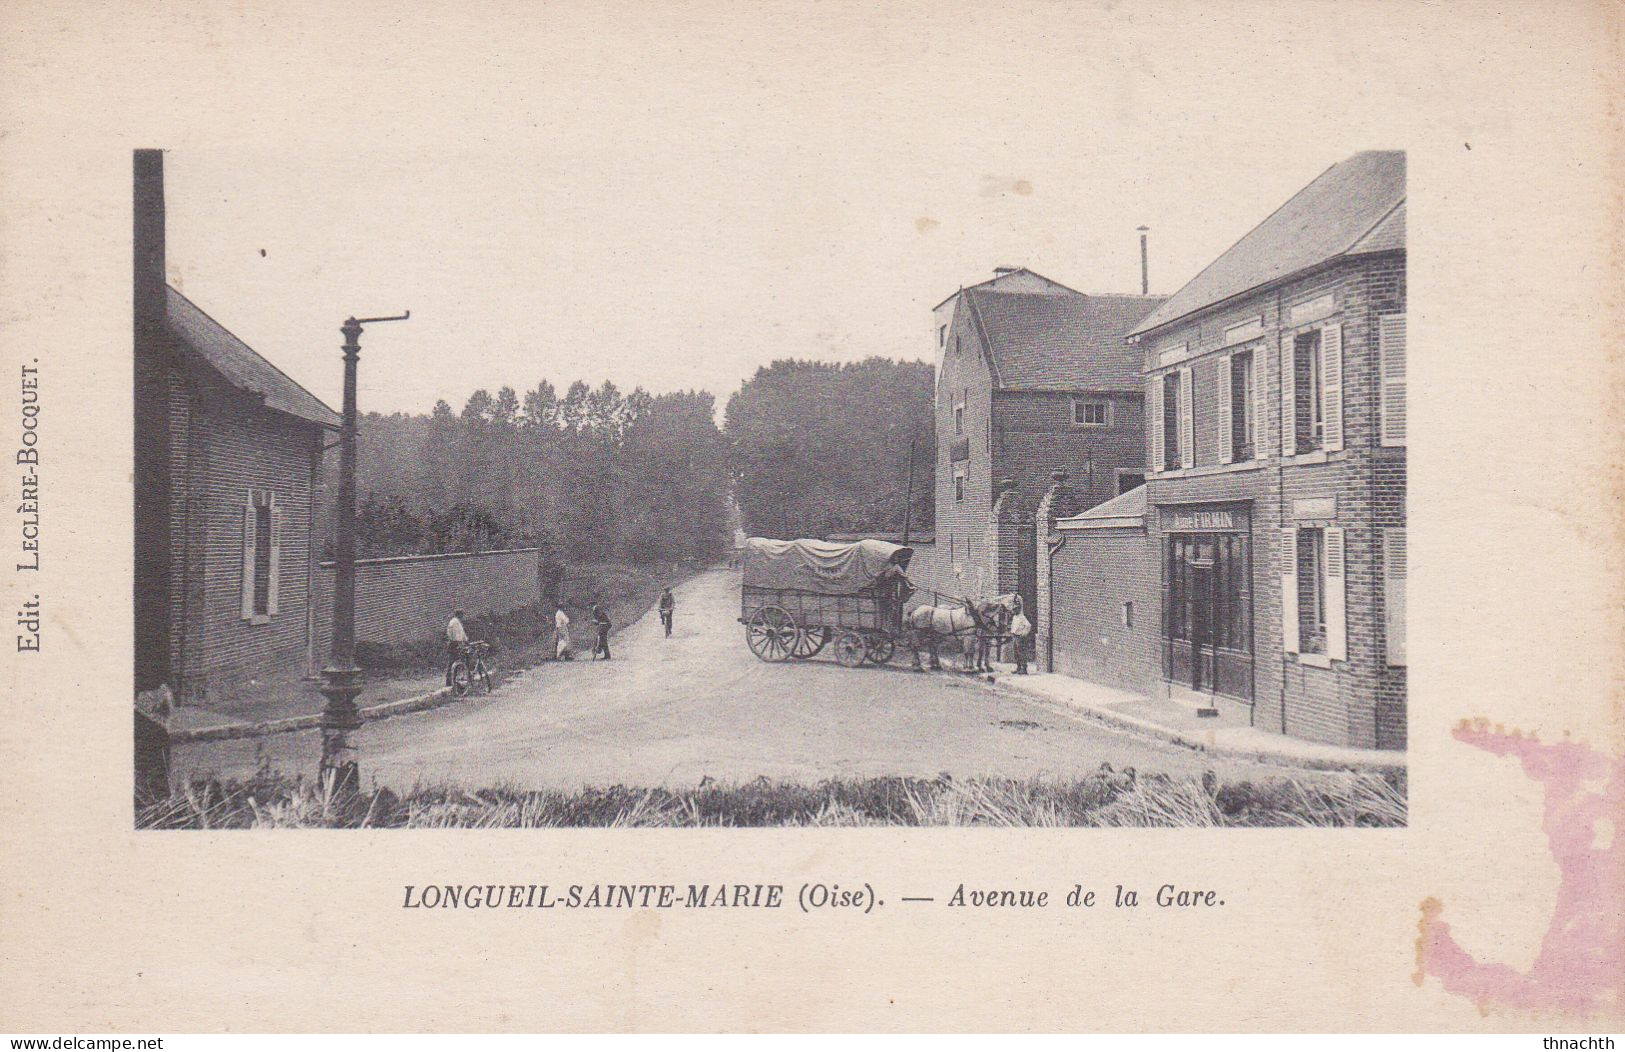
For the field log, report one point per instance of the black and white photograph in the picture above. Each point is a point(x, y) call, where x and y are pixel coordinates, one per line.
point(812, 516)
point(1062, 558)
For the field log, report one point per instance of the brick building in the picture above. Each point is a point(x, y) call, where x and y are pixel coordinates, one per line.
point(1032, 378)
point(1274, 508)
point(227, 474)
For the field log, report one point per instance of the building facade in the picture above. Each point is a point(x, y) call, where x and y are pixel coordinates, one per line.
point(1275, 494)
point(1032, 378)
point(227, 480)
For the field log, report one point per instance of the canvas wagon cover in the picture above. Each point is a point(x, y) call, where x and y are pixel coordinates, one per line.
point(819, 566)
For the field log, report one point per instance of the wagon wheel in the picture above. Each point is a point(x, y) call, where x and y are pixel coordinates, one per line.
point(879, 648)
point(771, 633)
point(809, 641)
point(850, 649)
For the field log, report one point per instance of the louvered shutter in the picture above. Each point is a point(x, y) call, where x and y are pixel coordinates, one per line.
point(248, 557)
point(1289, 589)
point(1331, 385)
point(276, 554)
point(1260, 397)
point(1227, 444)
point(1393, 579)
point(1153, 403)
point(1337, 634)
point(1187, 421)
point(1289, 405)
point(1391, 354)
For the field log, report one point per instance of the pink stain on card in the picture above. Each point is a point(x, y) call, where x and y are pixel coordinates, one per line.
point(1581, 965)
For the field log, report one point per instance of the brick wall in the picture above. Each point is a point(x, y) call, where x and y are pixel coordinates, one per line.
point(222, 446)
point(1034, 436)
point(410, 599)
point(963, 558)
point(1094, 573)
point(1360, 701)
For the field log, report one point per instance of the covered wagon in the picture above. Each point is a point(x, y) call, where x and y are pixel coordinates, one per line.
point(796, 597)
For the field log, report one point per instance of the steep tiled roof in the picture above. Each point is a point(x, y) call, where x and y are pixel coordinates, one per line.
point(240, 364)
point(1062, 342)
point(1357, 202)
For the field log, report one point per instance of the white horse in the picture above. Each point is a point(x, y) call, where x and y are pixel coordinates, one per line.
point(979, 622)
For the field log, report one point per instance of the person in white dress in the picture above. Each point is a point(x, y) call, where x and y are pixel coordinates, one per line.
point(561, 631)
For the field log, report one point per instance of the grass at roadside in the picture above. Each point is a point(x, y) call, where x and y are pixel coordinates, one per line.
point(1107, 798)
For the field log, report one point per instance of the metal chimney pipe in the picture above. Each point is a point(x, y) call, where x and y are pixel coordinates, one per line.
point(1145, 265)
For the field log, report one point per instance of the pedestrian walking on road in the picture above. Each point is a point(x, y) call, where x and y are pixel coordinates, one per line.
point(668, 605)
point(561, 635)
point(456, 639)
point(600, 621)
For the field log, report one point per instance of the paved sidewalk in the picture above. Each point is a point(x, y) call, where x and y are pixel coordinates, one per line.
point(1174, 722)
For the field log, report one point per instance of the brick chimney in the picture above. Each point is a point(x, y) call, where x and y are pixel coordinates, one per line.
point(153, 568)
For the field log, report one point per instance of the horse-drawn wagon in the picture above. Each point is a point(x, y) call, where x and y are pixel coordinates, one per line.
point(797, 597)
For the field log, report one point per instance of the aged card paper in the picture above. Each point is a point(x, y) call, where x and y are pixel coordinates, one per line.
point(1321, 533)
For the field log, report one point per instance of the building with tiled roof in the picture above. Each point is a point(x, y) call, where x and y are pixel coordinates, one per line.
point(228, 453)
point(1272, 537)
point(1033, 377)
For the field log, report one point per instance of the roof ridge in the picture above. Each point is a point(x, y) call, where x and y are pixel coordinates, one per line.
point(245, 346)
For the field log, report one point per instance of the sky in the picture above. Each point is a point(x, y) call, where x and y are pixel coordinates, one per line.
point(687, 199)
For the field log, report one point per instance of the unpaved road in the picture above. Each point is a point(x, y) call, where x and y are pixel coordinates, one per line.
point(674, 711)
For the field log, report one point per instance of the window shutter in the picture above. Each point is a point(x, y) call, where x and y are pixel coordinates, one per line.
point(1337, 635)
point(1289, 404)
point(1187, 421)
point(1391, 355)
point(1153, 402)
point(248, 557)
point(1260, 397)
point(1331, 384)
point(1393, 579)
point(1289, 589)
point(1227, 442)
point(276, 554)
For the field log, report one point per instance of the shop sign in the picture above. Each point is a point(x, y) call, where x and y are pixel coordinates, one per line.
point(1178, 520)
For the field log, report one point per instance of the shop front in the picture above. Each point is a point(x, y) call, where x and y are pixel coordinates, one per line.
point(1207, 599)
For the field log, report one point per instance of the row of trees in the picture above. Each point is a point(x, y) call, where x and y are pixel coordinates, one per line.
point(821, 447)
point(811, 448)
point(595, 474)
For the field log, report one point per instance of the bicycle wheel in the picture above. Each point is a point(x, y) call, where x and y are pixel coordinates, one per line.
point(484, 676)
point(460, 678)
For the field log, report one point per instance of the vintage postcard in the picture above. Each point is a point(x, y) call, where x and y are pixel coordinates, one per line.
point(810, 516)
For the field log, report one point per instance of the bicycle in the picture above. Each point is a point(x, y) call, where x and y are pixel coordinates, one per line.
point(470, 669)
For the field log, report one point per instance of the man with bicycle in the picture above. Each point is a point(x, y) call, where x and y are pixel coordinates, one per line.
point(456, 642)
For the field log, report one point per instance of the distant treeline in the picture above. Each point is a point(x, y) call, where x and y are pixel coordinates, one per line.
point(823, 448)
point(594, 475)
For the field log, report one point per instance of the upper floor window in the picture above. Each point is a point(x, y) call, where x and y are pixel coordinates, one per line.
point(959, 485)
point(959, 418)
point(1312, 392)
point(1170, 422)
point(1240, 437)
point(1091, 412)
point(942, 335)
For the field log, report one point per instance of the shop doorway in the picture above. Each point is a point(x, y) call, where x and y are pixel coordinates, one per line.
point(1208, 613)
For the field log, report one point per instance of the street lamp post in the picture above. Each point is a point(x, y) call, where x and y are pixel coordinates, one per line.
point(341, 680)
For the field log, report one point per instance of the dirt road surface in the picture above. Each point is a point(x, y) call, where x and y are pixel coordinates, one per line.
point(671, 712)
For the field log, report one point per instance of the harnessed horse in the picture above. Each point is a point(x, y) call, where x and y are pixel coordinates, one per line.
point(982, 621)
